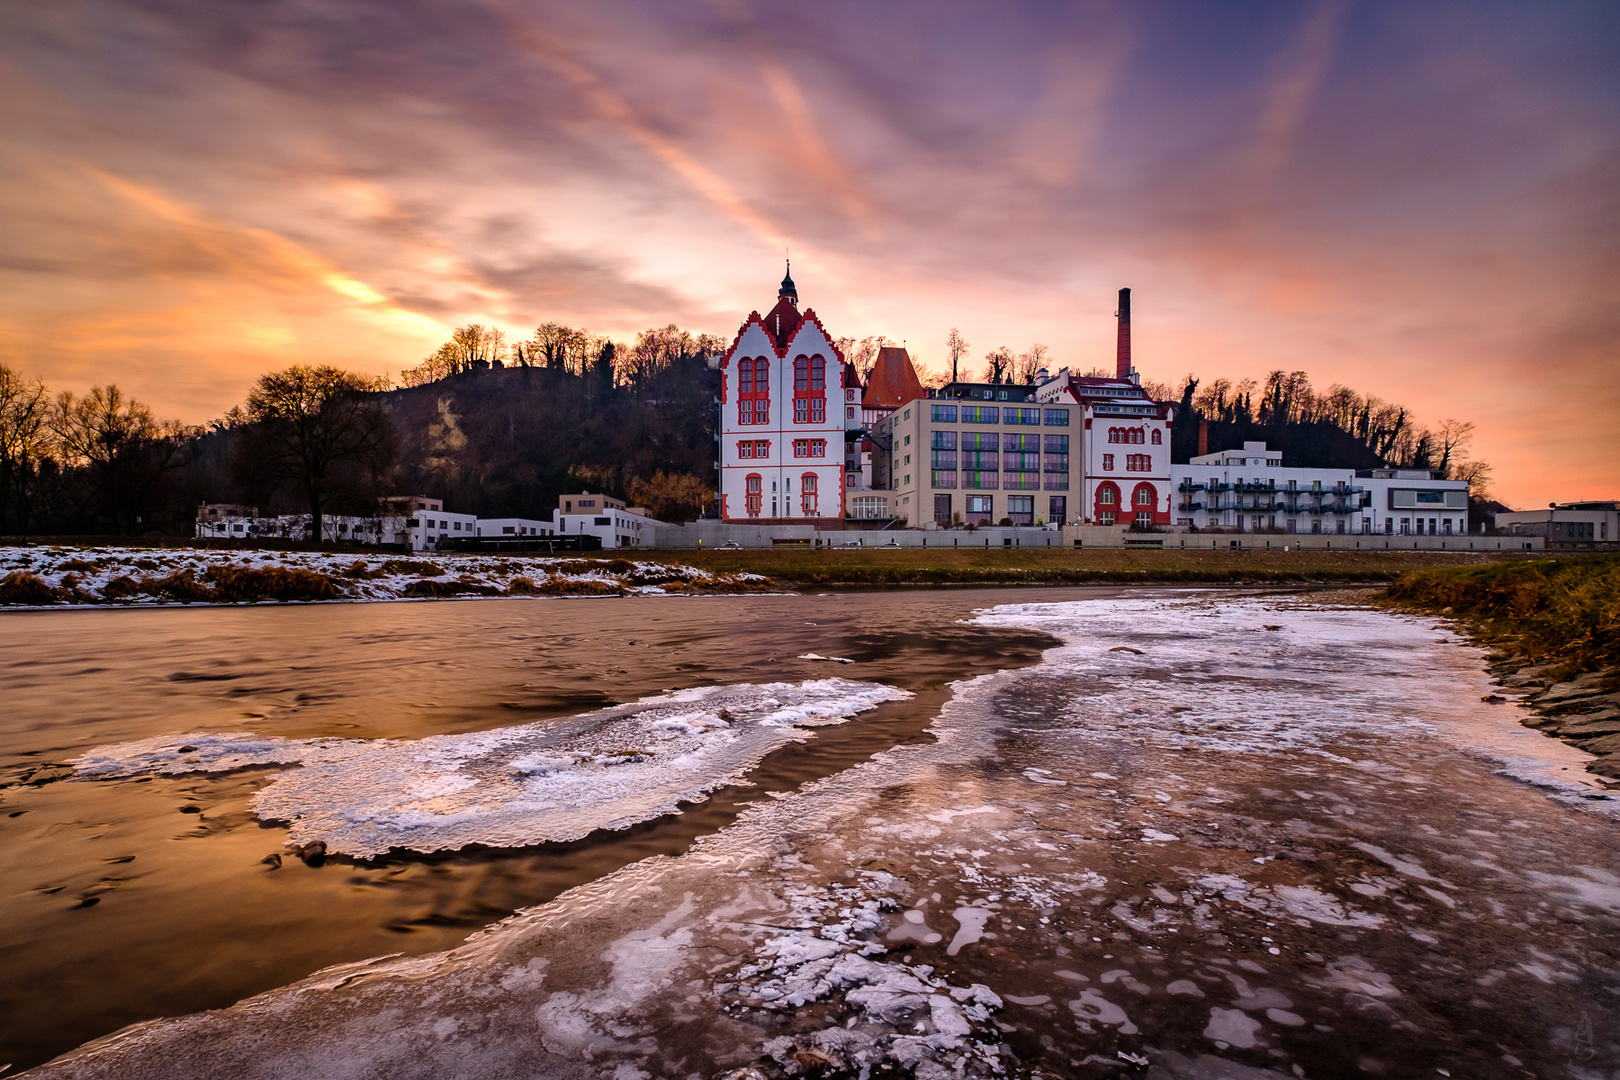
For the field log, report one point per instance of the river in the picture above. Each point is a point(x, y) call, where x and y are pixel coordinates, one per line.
point(1163, 833)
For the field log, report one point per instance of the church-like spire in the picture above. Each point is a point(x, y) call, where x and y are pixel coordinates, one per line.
point(788, 292)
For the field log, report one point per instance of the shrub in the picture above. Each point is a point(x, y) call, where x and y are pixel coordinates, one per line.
point(79, 565)
point(120, 588)
point(181, 585)
point(419, 567)
point(21, 587)
point(246, 584)
point(1552, 610)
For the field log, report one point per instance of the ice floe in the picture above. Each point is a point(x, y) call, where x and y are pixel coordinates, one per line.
point(514, 786)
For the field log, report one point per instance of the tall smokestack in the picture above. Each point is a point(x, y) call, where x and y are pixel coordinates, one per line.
point(1123, 358)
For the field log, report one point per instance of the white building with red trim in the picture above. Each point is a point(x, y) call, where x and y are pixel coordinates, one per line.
point(784, 408)
point(1124, 440)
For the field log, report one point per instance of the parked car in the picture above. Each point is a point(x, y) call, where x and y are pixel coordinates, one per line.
point(850, 543)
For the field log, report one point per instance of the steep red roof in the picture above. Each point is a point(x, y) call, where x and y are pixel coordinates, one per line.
point(893, 381)
point(782, 321)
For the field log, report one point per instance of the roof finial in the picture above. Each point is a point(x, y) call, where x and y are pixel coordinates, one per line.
point(788, 291)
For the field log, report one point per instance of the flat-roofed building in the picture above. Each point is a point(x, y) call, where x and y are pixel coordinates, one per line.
point(1573, 526)
point(979, 454)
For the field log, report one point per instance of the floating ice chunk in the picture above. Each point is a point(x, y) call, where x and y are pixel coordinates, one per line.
point(1232, 1027)
point(1092, 1006)
point(1319, 907)
point(1156, 835)
point(944, 816)
point(1040, 776)
point(829, 659)
point(972, 920)
point(533, 783)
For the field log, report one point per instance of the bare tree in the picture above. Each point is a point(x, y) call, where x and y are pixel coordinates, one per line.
point(998, 364)
point(1029, 363)
point(1452, 437)
point(122, 446)
point(863, 353)
point(25, 440)
point(317, 428)
point(956, 347)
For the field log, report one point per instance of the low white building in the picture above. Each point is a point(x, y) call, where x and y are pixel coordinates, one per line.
point(1250, 490)
point(514, 528)
point(604, 517)
point(1576, 526)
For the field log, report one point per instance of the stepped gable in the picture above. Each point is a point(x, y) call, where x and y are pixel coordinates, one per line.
point(782, 322)
point(893, 381)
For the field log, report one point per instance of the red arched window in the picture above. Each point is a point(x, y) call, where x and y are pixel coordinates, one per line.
point(1144, 498)
point(1113, 434)
point(809, 390)
point(753, 391)
point(1144, 495)
point(756, 500)
point(1158, 437)
point(807, 494)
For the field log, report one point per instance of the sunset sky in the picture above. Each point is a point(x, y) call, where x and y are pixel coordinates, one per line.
point(1417, 199)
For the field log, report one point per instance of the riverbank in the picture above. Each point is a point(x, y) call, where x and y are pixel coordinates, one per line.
point(1555, 626)
point(65, 575)
point(804, 567)
point(44, 577)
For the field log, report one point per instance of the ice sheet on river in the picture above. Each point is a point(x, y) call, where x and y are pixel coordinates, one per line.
point(1242, 852)
point(514, 786)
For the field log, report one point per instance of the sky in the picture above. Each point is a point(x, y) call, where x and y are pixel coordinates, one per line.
point(1418, 200)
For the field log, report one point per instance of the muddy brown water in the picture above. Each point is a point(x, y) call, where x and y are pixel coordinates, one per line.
point(128, 900)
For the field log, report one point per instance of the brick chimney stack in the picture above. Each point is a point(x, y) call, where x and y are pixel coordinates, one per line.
point(1123, 357)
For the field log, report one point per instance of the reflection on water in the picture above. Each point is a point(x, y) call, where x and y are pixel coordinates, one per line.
point(132, 899)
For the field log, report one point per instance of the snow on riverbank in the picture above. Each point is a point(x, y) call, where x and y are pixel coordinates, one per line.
point(514, 786)
point(35, 577)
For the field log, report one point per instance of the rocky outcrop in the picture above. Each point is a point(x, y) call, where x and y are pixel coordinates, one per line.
point(1584, 710)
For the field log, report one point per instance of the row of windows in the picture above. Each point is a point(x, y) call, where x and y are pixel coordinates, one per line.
point(1133, 435)
point(1108, 495)
point(1015, 462)
point(754, 495)
point(993, 414)
point(980, 509)
point(990, 480)
point(806, 410)
point(802, 448)
point(1009, 441)
point(753, 375)
point(1133, 462)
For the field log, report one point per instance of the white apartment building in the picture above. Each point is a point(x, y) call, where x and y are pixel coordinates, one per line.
point(1249, 490)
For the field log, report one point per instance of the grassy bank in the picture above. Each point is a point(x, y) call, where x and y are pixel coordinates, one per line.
point(1563, 611)
point(1068, 566)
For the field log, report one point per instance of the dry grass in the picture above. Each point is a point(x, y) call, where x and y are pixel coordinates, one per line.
point(1564, 611)
point(1070, 566)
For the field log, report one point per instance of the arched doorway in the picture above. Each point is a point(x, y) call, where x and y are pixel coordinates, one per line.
point(1144, 504)
point(1106, 509)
